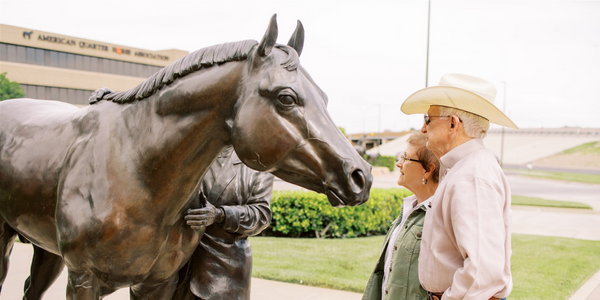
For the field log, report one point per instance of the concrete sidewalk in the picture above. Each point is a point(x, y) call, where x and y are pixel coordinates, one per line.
point(274, 290)
point(569, 223)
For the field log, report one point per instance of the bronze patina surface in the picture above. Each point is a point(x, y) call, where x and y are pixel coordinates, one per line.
point(106, 187)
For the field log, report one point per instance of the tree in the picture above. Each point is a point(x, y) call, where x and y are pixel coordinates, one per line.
point(9, 89)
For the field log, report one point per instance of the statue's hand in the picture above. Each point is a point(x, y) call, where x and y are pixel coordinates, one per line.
point(202, 217)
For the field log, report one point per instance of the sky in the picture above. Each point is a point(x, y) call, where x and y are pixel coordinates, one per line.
point(368, 56)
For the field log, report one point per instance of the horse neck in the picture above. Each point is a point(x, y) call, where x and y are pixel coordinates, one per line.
point(184, 129)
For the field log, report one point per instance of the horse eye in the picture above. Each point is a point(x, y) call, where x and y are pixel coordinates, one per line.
point(286, 99)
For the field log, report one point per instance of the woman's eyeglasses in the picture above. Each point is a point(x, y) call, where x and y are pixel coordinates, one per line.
point(427, 118)
point(403, 158)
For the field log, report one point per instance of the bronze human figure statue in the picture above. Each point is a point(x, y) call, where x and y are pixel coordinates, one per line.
point(106, 187)
point(237, 206)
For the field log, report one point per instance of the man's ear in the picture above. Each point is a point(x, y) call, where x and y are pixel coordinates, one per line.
point(454, 120)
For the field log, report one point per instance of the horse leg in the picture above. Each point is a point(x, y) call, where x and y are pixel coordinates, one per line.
point(82, 286)
point(45, 269)
point(161, 291)
point(7, 240)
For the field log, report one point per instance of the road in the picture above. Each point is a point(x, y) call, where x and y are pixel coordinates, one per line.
point(554, 169)
point(556, 190)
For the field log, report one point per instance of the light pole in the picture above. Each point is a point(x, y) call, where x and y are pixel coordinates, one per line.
point(502, 137)
point(427, 57)
point(379, 127)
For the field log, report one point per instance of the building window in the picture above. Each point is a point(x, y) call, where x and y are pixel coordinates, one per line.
point(73, 96)
point(58, 59)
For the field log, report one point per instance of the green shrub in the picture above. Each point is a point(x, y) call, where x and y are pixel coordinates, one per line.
point(384, 161)
point(308, 214)
point(9, 89)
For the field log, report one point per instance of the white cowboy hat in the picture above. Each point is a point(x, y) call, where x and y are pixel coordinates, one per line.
point(459, 91)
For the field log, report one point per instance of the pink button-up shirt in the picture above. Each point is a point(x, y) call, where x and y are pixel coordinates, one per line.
point(466, 249)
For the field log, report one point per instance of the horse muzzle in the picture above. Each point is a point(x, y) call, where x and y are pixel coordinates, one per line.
point(355, 189)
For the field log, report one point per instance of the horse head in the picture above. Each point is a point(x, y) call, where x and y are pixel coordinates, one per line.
point(281, 125)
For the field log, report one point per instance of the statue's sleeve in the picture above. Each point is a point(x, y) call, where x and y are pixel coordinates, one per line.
point(255, 215)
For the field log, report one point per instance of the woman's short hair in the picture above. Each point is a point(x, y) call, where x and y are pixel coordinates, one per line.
point(475, 126)
point(425, 155)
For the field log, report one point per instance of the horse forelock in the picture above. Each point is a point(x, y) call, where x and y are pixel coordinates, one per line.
point(292, 61)
point(201, 59)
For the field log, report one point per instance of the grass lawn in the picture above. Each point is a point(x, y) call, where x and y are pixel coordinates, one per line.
point(343, 264)
point(587, 148)
point(532, 201)
point(551, 268)
point(543, 267)
point(586, 178)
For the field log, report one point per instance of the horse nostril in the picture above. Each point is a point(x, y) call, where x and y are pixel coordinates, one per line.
point(357, 181)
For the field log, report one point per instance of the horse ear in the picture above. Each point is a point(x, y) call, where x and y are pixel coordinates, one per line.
point(268, 41)
point(297, 39)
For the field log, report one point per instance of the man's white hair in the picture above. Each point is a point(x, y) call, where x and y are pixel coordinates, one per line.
point(475, 126)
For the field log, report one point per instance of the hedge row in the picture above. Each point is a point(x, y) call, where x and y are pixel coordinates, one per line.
point(308, 214)
point(384, 161)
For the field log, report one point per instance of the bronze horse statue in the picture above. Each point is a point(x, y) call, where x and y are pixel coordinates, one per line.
point(104, 188)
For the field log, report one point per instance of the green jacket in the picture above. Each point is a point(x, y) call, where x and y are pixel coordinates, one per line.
point(403, 281)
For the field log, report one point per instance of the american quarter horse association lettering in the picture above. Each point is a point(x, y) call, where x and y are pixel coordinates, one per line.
point(105, 187)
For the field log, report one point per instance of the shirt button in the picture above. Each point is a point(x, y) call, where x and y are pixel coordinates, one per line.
point(419, 234)
point(405, 226)
point(386, 292)
point(395, 247)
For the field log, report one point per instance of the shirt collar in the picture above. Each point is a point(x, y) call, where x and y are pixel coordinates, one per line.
point(226, 152)
point(411, 204)
point(453, 156)
point(427, 203)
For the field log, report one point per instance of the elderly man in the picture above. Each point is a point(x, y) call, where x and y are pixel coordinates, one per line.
point(466, 245)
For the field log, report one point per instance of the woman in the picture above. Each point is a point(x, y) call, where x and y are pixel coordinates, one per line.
point(396, 274)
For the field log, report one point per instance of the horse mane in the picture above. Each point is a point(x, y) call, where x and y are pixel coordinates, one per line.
point(203, 58)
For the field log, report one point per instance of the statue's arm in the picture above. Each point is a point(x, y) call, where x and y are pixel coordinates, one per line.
point(255, 215)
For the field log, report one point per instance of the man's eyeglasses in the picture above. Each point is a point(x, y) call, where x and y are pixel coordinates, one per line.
point(403, 158)
point(427, 118)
